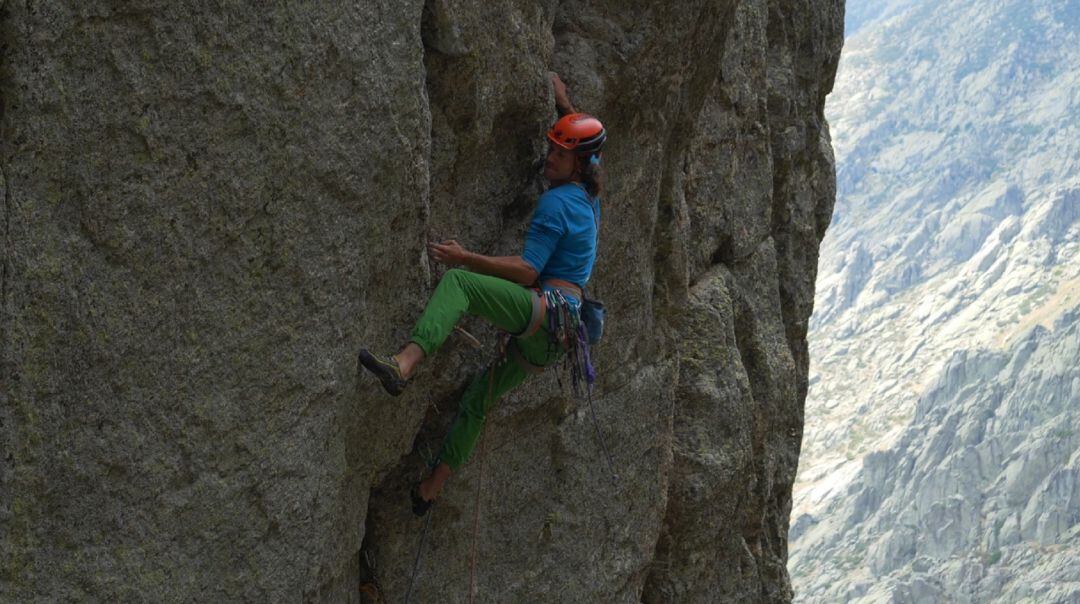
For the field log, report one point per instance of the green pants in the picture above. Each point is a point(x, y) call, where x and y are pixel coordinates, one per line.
point(508, 306)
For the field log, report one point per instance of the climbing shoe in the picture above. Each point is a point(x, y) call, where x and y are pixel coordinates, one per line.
point(384, 368)
point(420, 506)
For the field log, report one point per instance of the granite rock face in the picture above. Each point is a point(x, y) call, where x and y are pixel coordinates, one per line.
point(207, 211)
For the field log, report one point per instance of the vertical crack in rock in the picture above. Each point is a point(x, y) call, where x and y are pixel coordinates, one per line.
point(7, 457)
point(5, 192)
point(5, 262)
point(10, 529)
point(368, 571)
point(672, 225)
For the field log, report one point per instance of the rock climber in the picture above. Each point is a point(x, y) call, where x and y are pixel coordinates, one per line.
point(559, 253)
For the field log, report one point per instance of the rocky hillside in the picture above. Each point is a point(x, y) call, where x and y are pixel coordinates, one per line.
point(978, 501)
point(956, 232)
point(207, 210)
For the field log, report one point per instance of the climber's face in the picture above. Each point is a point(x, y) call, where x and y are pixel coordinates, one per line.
point(560, 164)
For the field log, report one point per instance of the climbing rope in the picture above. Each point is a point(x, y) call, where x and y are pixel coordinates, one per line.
point(600, 435)
point(479, 490)
point(419, 551)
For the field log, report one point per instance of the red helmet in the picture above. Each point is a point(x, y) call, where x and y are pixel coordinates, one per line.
point(578, 132)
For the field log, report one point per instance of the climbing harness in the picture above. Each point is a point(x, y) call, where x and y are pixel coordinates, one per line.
point(535, 318)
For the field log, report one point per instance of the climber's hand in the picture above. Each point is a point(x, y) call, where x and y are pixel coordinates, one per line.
point(562, 97)
point(448, 252)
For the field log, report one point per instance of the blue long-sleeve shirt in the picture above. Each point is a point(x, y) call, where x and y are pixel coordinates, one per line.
point(561, 242)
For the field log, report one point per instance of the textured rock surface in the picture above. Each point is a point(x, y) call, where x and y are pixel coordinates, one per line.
point(208, 210)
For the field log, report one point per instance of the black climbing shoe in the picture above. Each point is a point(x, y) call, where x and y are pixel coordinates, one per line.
point(384, 368)
point(420, 506)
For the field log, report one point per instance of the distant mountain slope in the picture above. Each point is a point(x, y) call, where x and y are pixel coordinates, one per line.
point(956, 230)
point(978, 501)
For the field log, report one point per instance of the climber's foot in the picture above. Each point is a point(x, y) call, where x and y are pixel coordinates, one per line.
point(408, 358)
point(420, 506)
point(430, 487)
point(386, 369)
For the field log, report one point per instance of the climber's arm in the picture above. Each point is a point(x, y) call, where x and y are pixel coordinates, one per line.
point(562, 97)
point(511, 268)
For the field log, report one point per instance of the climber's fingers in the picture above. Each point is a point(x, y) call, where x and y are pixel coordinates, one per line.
point(447, 252)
